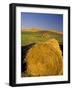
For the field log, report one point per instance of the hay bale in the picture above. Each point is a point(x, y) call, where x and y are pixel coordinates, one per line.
point(44, 59)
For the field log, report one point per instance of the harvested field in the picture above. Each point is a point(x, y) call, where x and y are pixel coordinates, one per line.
point(40, 36)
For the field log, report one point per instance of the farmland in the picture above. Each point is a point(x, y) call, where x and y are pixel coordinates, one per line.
point(29, 37)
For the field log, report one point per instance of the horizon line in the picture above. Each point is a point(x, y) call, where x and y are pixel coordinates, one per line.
point(24, 29)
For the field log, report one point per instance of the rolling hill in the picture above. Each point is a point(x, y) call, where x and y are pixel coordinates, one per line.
point(35, 35)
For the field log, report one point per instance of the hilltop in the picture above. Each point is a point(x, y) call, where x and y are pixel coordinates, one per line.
point(32, 30)
point(41, 30)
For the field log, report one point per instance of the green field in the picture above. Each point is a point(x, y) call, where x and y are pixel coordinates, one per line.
point(40, 36)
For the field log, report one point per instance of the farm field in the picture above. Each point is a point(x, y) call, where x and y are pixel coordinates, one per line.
point(29, 37)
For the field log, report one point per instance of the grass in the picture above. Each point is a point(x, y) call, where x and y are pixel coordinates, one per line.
point(41, 36)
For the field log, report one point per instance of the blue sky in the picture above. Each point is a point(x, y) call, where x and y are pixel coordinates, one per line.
point(43, 21)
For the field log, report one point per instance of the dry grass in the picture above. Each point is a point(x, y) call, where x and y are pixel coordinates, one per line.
point(44, 59)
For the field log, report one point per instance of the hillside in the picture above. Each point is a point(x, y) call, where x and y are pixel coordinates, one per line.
point(41, 30)
point(35, 35)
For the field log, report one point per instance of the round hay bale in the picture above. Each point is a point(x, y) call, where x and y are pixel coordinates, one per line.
point(44, 59)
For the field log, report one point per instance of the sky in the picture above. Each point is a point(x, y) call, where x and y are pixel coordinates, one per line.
point(41, 20)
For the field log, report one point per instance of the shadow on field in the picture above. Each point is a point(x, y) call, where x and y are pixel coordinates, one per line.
point(24, 50)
